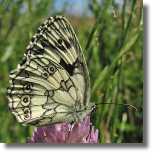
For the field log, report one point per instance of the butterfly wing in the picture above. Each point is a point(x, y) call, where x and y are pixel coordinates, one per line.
point(52, 81)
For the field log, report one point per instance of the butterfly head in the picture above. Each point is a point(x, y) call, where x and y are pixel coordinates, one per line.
point(92, 107)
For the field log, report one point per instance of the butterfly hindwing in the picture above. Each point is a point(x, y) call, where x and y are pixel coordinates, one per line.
point(51, 84)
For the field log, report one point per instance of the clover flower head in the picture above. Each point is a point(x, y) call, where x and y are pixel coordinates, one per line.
point(59, 133)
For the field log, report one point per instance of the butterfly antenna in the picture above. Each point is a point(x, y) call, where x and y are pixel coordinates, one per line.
point(119, 104)
point(114, 103)
point(99, 97)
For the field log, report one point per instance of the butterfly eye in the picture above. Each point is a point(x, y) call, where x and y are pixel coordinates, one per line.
point(93, 109)
point(45, 74)
point(51, 69)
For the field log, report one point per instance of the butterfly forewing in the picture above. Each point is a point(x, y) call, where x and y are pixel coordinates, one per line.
point(51, 84)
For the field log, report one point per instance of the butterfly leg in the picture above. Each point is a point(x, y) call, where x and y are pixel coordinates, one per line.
point(90, 133)
point(70, 127)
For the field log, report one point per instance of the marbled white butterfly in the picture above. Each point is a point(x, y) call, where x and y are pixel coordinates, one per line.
point(51, 84)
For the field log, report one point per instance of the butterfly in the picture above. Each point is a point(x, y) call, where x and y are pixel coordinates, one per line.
point(51, 84)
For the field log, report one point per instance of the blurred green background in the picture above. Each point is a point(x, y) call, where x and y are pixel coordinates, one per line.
point(114, 58)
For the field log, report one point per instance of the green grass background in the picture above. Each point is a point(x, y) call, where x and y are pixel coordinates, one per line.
point(114, 54)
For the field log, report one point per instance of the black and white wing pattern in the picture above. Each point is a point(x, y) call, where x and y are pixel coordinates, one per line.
point(51, 84)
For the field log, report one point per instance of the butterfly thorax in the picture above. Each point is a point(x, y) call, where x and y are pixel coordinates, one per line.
point(80, 114)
